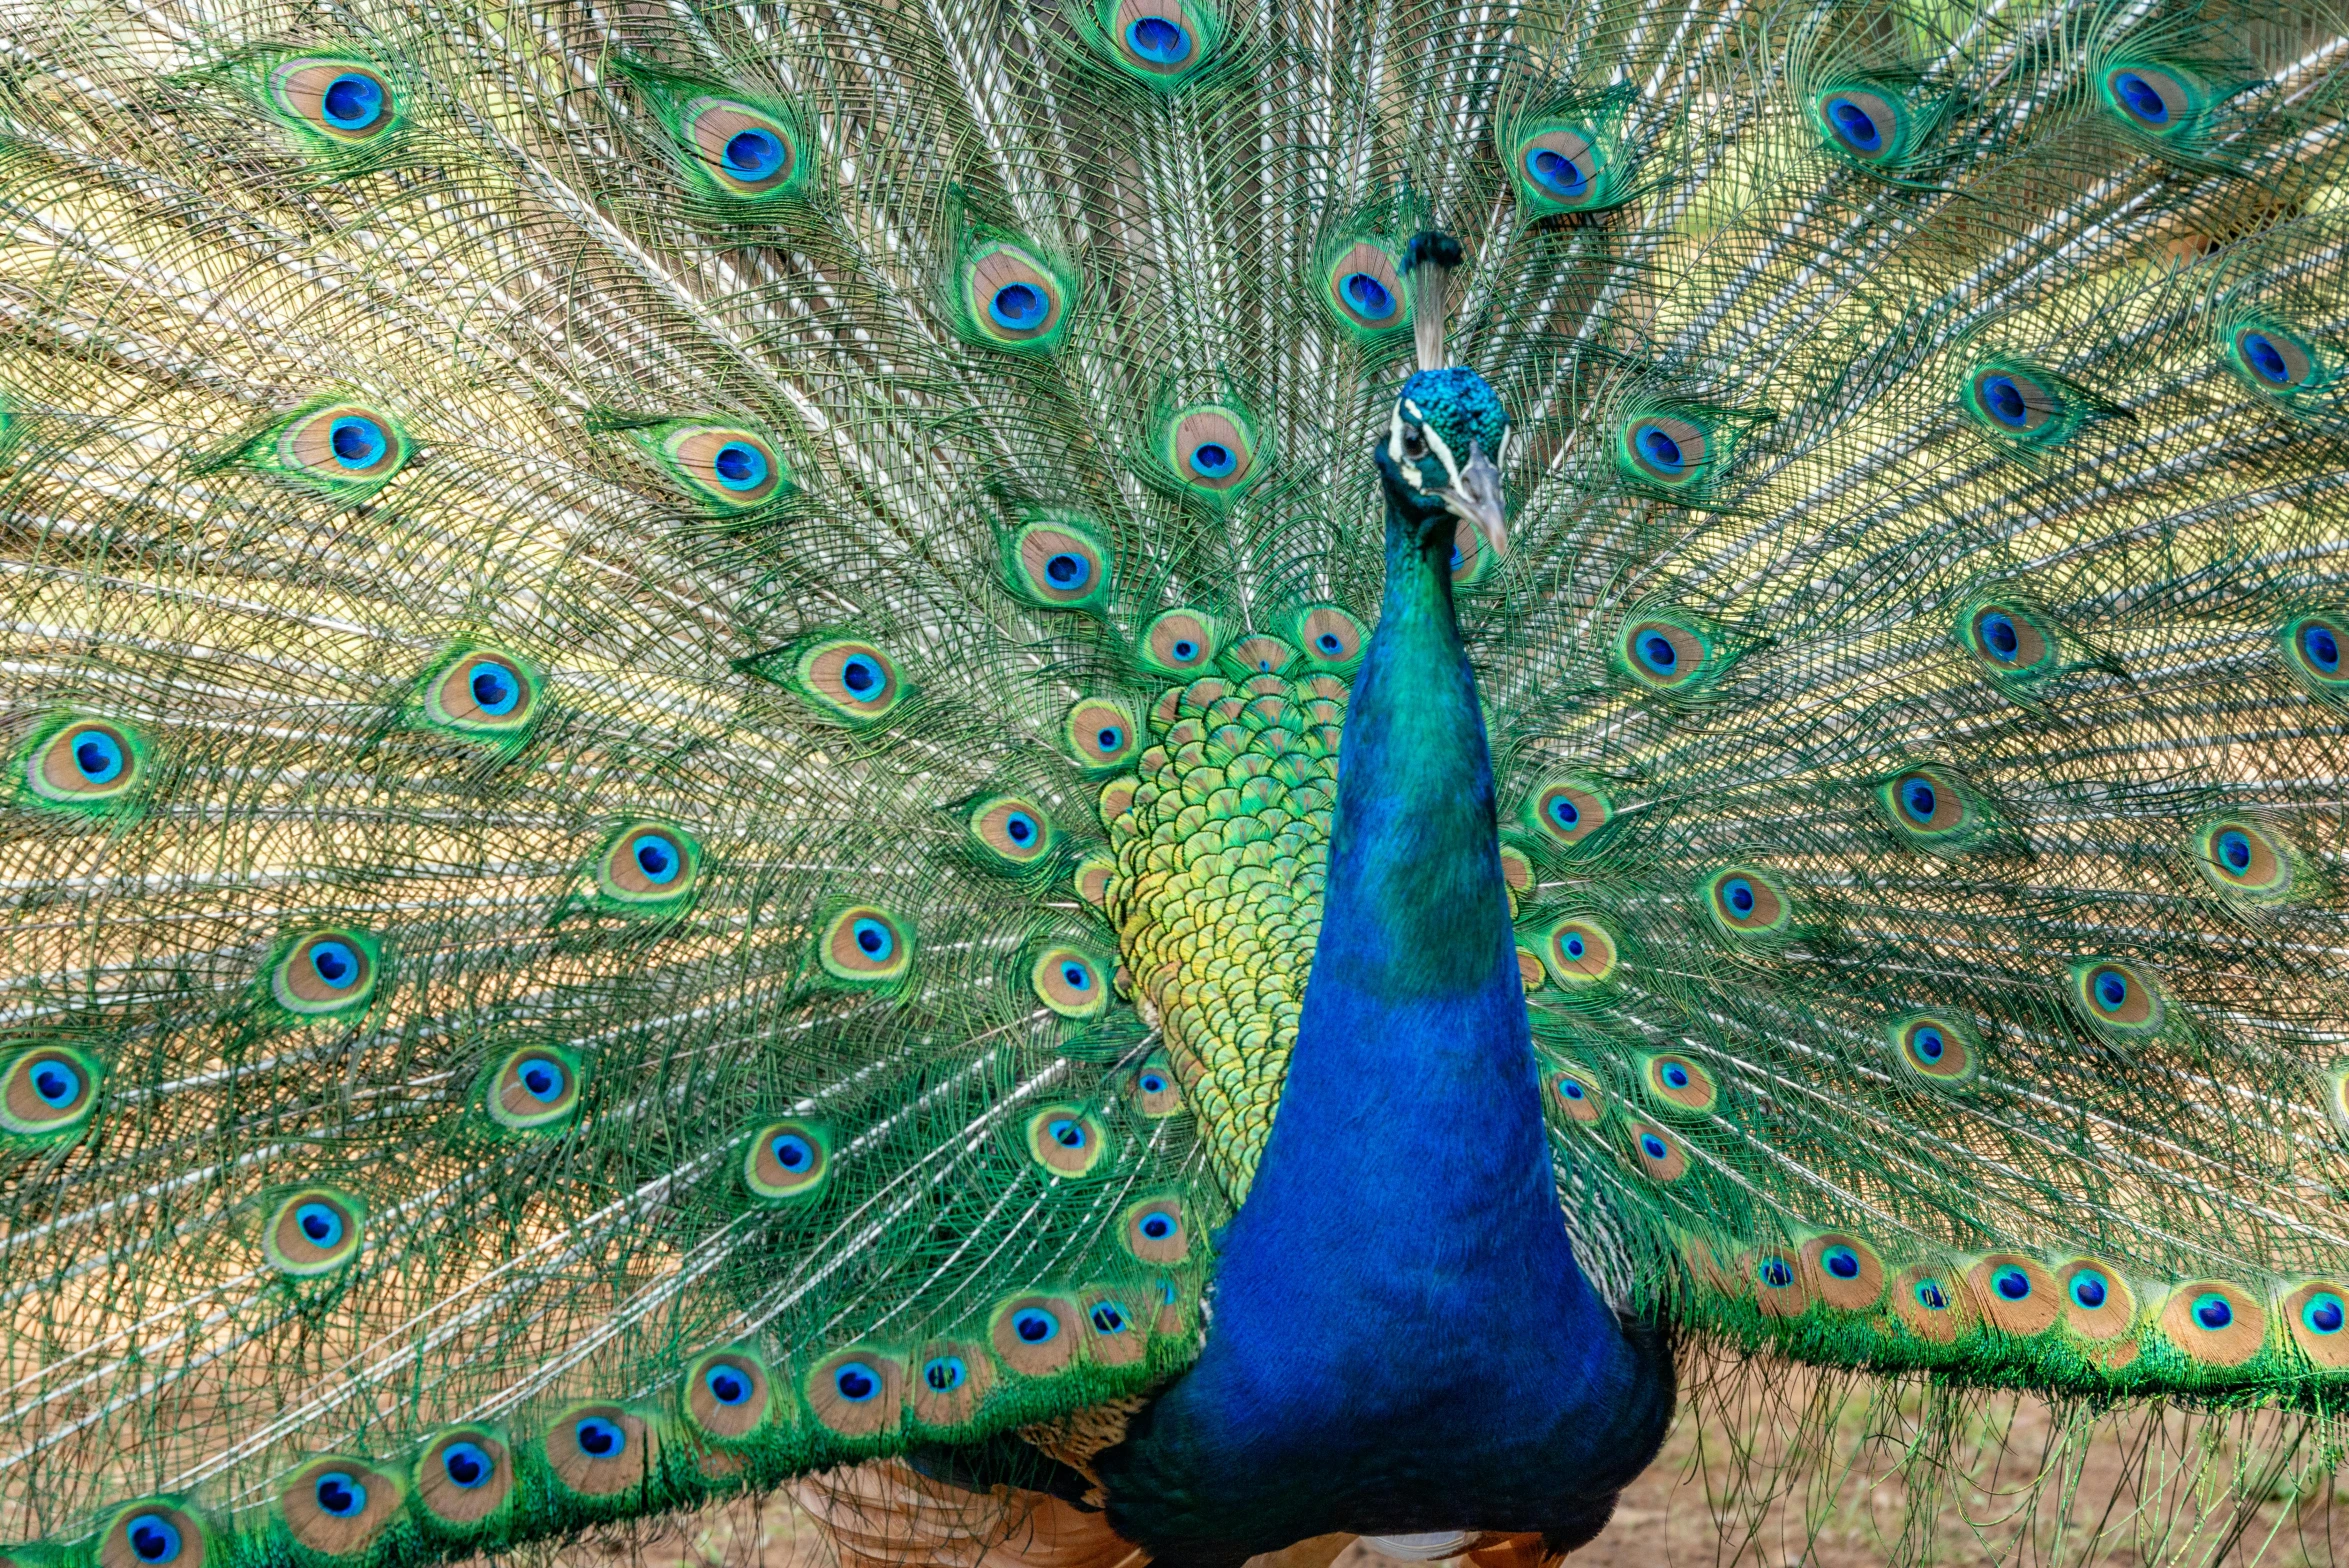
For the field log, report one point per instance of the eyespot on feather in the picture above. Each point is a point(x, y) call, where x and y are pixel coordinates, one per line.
point(596, 1449)
point(727, 1395)
point(1665, 653)
point(726, 466)
point(1211, 449)
point(1843, 1271)
point(863, 945)
point(854, 679)
point(156, 1532)
point(1930, 1303)
point(1780, 1286)
point(951, 1379)
point(1180, 642)
point(2271, 359)
point(1665, 449)
point(2316, 1314)
point(1678, 1085)
point(1557, 167)
point(2096, 1300)
point(338, 1507)
point(326, 974)
point(1156, 1092)
point(1365, 291)
point(1333, 639)
point(1656, 1152)
point(1568, 811)
point(85, 764)
point(2313, 647)
point(787, 1161)
point(1931, 806)
point(1057, 563)
point(1154, 1231)
point(648, 865)
point(535, 1089)
point(857, 1392)
point(1581, 953)
point(1066, 1140)
point(744, 151)
point(1934, 1050)
point(2243, 859)
point(1746, 904)
point(1011, 829)
point(1070, 981)
point(2014, 1294)
point(312, 1231)
point(1575, 1089)
point(464, 1478)
point(1013, 300)
point(48, 1091)
point(481, 691)
point(1101, 733)
point(2215, 1322)
point(1863, 123)
point(343, 446)
point(2008, 640)
point(1159, 41)
point(1035, 1334)
point(2016, 404)
point(2122, 1002)
point(2156, 100)
point(1116, 1333)
point(346, 102)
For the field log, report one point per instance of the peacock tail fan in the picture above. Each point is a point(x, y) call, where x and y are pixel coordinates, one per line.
point(676, 675)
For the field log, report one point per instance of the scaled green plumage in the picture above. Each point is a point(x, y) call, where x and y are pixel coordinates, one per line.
point(556, 512)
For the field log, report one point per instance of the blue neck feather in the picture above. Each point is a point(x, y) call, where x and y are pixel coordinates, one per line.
point(1400, 1338)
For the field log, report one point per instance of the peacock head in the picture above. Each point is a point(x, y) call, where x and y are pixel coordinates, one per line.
point(1440, 460)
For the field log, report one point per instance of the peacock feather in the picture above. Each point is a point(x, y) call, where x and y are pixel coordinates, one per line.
point(1202, 755)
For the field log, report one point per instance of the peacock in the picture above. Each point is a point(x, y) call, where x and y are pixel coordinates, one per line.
point(1220, 761)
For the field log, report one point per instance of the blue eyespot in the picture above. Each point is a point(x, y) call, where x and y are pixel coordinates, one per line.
point(1213, 460)
point(1556, 173)
point(1110, 738)
point(1997, 631)
point(2112, 989)
point(1574, 944)
point(860, 674)
point(856, 1382)
point(1329, 644)
point(1153, 1083)
point(1107, 1319)
point(1929, 1044)
point(740, 466)
point(2140, 98)
point(1068, 570)
point(2011, 1283)
point(1929, 1296)
point(153, 1539)
point(873, 939)
point(352, 102)
point(1077, 977)
point(2324, 1314)
point(1159, 39)
point(1572, 1089)
point(1019, 306)
point(495, 691)
point(543, 1079)
point(2212, 1311)
point(1775, 1273)
point(2261, 353)
point(1675, 1076)
point(599, 1438)
point(1739, 894)
point(1456, 558)
point(341, 1494)
point(357, 442)
point(2004, 400)
point(753, 154)
point(1019, 827)
point(1653, 1147)
point(1563, 811)
point(2235, 849)
point(466, 1464)
point(321, 1224)
point(1158, 1226)
point(1918, 800)
point(2323, 649)
point(1841, 1262)
point(1184, 650)
point(1659, 448)
point(657, 858)
point(2089, 1290)
point(1066, 1131)
point(945, 1374)
point(1855, 125)
point(57, 1084)
point(97, 756)
point(792, 1152)
point(1034, 1326)
point(726, 1384)
point(337, 966)
point(1658, 654)
point(1369, 297)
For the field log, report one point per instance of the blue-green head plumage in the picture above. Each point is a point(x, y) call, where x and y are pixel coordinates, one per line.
point(1441, 457)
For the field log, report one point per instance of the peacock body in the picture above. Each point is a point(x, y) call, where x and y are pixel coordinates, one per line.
point(677, 679)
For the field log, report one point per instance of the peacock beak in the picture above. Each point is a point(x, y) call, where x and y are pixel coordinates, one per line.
point(1476, 496)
